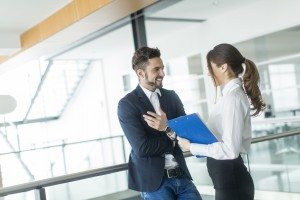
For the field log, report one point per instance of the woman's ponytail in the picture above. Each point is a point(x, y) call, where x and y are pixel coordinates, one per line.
point(251, 82)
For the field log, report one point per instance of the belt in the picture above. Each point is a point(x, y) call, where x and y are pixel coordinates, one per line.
point(173, 173)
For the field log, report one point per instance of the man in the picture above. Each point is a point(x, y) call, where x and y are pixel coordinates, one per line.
point(156, 164)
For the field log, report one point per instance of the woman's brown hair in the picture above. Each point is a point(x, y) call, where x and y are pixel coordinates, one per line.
point(226, 53)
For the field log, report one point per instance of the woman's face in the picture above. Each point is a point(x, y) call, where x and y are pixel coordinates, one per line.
point(218, 73)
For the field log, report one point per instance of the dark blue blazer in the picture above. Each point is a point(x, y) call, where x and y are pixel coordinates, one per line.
point(146, 161)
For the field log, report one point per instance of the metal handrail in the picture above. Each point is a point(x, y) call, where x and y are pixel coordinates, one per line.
point(106, 170)
point(62, 179)
point(275, 136)
point(276, 120)
point(63, 144)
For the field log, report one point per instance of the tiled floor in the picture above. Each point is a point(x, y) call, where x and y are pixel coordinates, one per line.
point(270, 195)
point(207, 192)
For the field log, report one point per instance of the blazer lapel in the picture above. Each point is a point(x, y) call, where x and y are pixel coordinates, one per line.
point(163, 102)
point(144, 99)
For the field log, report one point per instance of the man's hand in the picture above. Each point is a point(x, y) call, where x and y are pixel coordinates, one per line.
point(184, 143)
point(158, 122)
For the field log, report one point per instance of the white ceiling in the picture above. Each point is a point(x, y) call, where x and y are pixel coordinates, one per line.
point(17, 16)
point(22, 15)
point(201, 9)
point(282, 43)
point(156, 30)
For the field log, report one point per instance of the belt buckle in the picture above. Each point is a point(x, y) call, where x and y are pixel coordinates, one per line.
point(170, 175)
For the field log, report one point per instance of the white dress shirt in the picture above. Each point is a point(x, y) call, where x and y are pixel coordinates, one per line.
point(170, 161)
point(231, 124)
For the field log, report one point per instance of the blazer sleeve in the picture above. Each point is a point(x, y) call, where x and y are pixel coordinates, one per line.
point(142, 143)
point(178, 105)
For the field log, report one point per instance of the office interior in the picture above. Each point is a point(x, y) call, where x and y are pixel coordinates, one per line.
point(67, 63)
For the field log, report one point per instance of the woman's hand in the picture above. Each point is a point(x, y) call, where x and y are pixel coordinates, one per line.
point(158, 122)
point(184, 143)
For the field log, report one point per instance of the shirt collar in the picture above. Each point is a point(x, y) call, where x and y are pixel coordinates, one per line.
point(232, 84)
point(148, 92)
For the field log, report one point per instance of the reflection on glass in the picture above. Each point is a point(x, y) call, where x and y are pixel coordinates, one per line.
point(20, 196)
point(60, 158)
point(70, 142)
point(275, 164)
point(184, 71)
point(278, 64)
point(97, 187)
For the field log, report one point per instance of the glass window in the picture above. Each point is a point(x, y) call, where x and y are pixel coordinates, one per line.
point(169, 30)
point(80, 89)
point(278, 64)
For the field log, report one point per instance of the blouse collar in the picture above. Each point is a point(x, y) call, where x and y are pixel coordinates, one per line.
point(232, 84)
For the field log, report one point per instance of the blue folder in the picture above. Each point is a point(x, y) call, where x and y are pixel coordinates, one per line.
point(192, 128)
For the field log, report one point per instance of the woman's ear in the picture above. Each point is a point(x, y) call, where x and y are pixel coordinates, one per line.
point(224, 67)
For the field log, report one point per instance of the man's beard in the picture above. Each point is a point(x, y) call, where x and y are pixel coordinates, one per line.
point(153, 83)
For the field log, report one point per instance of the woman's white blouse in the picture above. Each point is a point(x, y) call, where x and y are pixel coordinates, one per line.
point(230, 122)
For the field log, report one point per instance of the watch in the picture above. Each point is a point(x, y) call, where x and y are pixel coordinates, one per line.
point(168, 129)
point(171, 134)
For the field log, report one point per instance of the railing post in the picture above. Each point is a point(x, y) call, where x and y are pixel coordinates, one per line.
point(1, 184)
point(123, 147)
point(40, 194)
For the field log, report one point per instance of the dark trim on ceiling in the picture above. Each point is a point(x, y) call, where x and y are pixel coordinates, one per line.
point(169, 19)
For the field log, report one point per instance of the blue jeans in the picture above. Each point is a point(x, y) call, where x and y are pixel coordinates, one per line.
point(174, 188)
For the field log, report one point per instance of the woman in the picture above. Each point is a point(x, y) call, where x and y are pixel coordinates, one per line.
point(229, 121)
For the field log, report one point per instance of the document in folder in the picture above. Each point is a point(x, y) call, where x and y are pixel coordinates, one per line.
point(192, 128)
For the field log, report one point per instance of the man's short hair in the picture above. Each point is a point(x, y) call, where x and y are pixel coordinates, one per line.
point(141, 57)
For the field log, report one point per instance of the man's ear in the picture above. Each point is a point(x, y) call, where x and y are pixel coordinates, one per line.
point(140, 73)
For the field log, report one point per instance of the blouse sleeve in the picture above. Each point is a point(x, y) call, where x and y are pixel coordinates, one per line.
point(233, 118)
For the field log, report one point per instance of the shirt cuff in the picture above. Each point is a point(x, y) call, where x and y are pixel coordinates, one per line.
point(198, 149)
point(171, 135)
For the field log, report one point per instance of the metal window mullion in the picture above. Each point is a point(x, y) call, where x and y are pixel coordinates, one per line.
point(138, 29)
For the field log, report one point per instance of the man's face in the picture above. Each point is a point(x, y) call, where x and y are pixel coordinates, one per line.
point(152, 77)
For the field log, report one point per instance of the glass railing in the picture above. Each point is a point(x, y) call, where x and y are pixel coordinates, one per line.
point(20, 196)
point(61, 157)
point(274, 158)
point(269, 126)
point(89, 188)
point(274, 163)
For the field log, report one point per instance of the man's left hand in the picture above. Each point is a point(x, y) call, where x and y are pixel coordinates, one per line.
point(158, 122)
